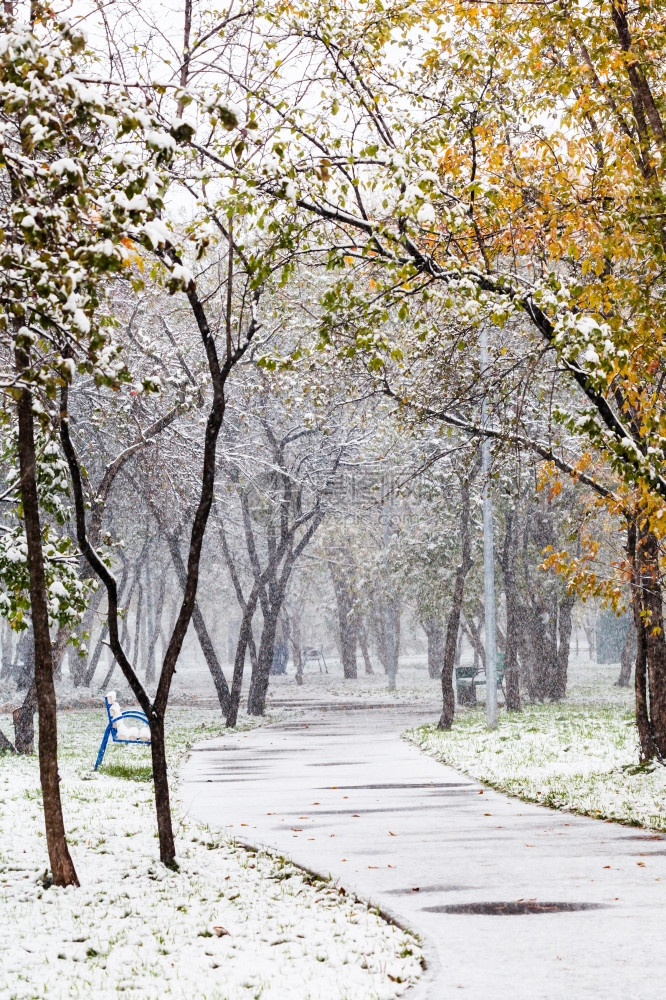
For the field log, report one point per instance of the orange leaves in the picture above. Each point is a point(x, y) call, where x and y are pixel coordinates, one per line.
point(134, 257)
point(582, 575)
point(547, 477)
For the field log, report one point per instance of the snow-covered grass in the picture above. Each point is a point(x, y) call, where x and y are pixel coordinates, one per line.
point(580, 755)
point(413, 684)
point(135, 927)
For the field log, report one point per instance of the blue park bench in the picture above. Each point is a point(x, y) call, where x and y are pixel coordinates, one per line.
point(117, 728)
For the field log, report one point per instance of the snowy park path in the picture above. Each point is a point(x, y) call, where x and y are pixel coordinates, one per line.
point(340, 793)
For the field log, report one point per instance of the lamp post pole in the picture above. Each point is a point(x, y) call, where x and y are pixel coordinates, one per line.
point(488, 559)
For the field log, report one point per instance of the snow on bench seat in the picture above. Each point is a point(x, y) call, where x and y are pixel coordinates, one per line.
point(121, 727)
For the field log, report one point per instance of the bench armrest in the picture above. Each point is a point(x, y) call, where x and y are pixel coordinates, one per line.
point(131, 714)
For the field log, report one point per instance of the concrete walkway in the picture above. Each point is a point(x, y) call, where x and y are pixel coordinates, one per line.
point(342, 794)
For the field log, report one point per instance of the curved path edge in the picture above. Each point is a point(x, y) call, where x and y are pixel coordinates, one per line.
point(421, 989)
point(343, 793)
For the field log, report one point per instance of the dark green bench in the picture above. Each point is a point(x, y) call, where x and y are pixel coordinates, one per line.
point(469, 678)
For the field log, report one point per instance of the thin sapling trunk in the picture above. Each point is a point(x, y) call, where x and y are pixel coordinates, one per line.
point(62, 867)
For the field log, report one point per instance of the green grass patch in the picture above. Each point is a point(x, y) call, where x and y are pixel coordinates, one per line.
point(577, 757)
point(128, 770)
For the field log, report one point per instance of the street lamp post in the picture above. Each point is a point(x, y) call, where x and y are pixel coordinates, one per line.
point(488, 559)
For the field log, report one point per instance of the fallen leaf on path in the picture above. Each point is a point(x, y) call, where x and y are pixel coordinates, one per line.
point(373, 866)
point(297, 829)
point(487, 814)
point(392, 834)
point(641, 864)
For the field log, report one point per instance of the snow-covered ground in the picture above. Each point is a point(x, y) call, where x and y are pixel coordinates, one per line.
point(135, 927)
point(413, 685)
point(192, 685)
point(579, 755)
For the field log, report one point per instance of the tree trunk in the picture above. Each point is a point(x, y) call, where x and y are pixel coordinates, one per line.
point(99, 649)
point(24, 717)
point(244, 634)
point(139, 620)
point(341, 567)
point(650, 678)
point(157, 625)
point(271, 587)
point(5, 745)
point(24, 722)
point(78, 668)
point(62, 867)
point(149, 619)
point(212, 662)
point(453, 622)
point(458, 650)
point(291, 627)
point(347, 646)
point(256, 702)
point(508, 564)
point(7, 651)
point(392, 614)
point(656, 643)
point(522, 617)
point(564, 626)
point(590, 630)
point(640, 673)
point(386, 623)
point(24, 666)
point(297, 649)
point(627, 657)
point(205, 641)
point(125, 626)
point(541, 648)
point(379, 627)
point(362, 633)
point(161, 783)
point(473, 629)
point(104, 631)
point(435, 636)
